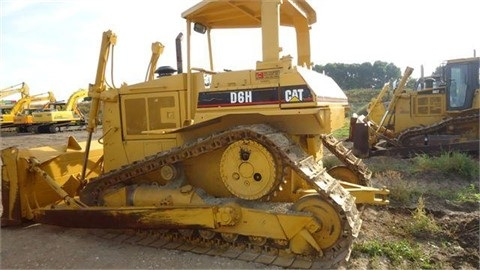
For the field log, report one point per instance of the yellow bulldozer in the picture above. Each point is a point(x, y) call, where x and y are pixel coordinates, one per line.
point(229, 161)
point(440, 115)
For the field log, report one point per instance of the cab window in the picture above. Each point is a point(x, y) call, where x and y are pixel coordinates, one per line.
point(458, 86)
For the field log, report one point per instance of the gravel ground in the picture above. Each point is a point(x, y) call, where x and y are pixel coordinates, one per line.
point(43, 247)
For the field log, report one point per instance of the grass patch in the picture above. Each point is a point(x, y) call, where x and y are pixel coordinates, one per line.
point(421, 222)
point(466, 194)
point(331, 161)
point(397, 252)
point(400, 190)
point(449, 163)
point(343, 133)
point(382, 164)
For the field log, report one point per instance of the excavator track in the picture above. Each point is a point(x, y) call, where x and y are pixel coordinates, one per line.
point(269, 251)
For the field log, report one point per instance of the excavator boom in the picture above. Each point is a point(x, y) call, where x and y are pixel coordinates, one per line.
point(21, 88)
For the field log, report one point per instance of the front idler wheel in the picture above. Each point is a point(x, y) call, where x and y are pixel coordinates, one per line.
point(330, 228)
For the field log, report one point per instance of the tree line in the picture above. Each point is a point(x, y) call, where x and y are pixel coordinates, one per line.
point(360, 76)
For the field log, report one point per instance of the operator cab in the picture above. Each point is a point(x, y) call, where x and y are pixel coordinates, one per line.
point(55, 106)
point(462, 80)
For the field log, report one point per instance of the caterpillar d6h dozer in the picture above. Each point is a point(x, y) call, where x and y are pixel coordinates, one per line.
point(441, 116)
point(229, 162)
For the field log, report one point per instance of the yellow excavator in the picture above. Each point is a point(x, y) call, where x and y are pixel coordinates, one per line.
point(215, 161)
point(25, 106)
point(441, 115)
point(7, 105)
point(59, 115)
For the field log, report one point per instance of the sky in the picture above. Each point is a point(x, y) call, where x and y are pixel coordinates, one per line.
point(54, 45)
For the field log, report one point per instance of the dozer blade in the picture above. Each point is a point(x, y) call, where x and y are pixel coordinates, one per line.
point(23, 189)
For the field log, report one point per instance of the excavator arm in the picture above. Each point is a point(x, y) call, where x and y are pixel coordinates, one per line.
point(23, 90)
point(74, 98)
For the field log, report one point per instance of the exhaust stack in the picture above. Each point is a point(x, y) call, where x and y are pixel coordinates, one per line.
point(178, 44)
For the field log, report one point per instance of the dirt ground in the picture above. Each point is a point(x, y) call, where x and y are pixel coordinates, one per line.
point(40, 247)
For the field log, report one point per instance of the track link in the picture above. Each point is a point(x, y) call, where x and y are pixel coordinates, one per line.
point(173, 240)
point(346, 156)
point(270, 252)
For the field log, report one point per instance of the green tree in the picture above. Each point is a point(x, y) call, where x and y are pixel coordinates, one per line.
point(360, 76)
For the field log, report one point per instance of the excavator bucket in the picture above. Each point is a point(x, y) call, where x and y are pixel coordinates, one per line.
point(36, 177)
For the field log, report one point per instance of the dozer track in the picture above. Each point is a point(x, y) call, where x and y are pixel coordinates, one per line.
point(432, 139)
point(438, 127)
point(244, 247)
point(345, 155)
point(421, 139)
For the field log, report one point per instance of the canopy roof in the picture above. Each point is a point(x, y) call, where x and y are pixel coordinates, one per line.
point(218, 14)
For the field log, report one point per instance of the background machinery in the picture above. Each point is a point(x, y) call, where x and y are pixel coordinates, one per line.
point(232, 165)
point(59, 115)
point(440, 116)
point(7, 105)
point(21, 89)
point(25, 106)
